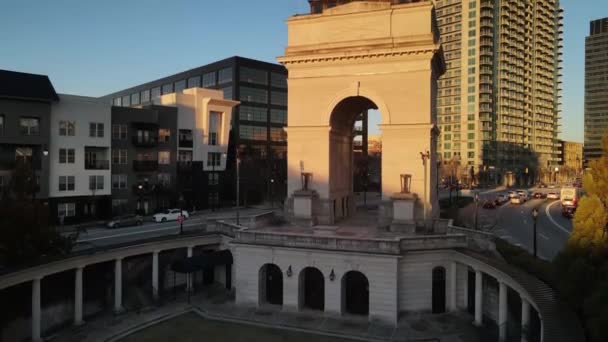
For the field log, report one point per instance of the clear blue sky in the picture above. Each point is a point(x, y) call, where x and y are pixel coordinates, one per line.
point(96, 47)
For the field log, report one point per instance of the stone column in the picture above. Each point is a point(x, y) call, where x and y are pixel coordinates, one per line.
point(453, 292)
point(291, 290)
point(333, 294)
point(188, 275)
point(525, 319)
point(155, 275)
point(502, 311)
point(36, 309)
point(118, 286)
point(478, 297)
point(78, 297)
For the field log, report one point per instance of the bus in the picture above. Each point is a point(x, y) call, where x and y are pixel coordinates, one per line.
point(570, 196)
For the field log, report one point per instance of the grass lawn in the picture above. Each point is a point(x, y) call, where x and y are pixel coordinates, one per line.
point(190, 327)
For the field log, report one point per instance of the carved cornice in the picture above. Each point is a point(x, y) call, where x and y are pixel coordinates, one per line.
point(312, 58)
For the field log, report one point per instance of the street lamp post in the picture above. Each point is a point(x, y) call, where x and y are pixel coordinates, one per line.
point(534, 216)
point(238, 181)
point(556, 171)
point(181, 213)
point(476, 208)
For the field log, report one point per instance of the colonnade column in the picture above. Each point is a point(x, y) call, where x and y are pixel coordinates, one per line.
point(453, 292)
point(78, 297)
point(189, 275)
point(478, 297)
point(525, 319)
point(155, 275)
point(502, 311)
point(36, 309)
point(118, 286)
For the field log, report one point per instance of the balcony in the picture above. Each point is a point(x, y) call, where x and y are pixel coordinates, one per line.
point(187, 143)
point(145, 165)
point(96, 164)
point(150, 141)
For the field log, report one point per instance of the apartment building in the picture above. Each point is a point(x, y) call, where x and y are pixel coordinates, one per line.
point(596, 88)
point(25, 116)
point(79, 158)
point(499, 101)
point(571, 157)
point(255, 130)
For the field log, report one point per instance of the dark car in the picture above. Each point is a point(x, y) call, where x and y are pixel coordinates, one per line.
point(539, 195)
point(489, 205)
point(568, 211)
point(542, 185)
point(125, 221)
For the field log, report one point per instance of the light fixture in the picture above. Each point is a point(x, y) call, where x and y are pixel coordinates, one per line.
point(140, 186)
point(332, 275)
point(45, 152)
point(289, 271)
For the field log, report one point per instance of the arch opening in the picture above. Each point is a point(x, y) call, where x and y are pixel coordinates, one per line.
point(439, 288)
point(355, 156)
point(355, 293)
point(312, 289)
point(271, 285)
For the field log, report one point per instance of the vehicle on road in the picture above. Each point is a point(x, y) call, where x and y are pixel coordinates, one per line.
point(501, 198)
point(512, 194)
point(125, 221)
point(489, 205)
point(570, 196)
point(516, 200)
point(523, 194)
point(552, 186)
point(539, 195)
point(542, 185)
point(553, 195)
point(568, 211)
point(170, 215)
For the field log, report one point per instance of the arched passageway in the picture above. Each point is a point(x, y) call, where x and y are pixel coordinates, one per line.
point(350, 160)
point(312, 289)
point(438, 290)
point(271, 284)
point(355, 293)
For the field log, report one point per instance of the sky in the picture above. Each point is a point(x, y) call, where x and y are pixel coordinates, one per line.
point(94, 48)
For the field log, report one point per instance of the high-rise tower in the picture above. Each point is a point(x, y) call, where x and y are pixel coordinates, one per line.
point(498, 103)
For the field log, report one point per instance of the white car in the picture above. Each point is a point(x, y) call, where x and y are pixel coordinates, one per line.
point(170, 215)
point(523, 194)
point(553, 195)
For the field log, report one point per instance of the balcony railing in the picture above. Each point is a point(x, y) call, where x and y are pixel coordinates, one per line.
point(97, 164)
point(145, 142)
point(185, 143)
point(145, 165)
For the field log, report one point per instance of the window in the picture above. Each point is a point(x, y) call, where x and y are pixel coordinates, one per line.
point(278, 98)
point(214, 127)
point(254, 95)
point(471, 146)
point(95, 182)
point(126, 101)
point(194, 82)
point(255, 76)
point(184, 156)
point(225, 76)
point(66, 156)
point(155, 93)
point(471, 136)
point(118, 102)
point(66, 183)
point(250, 113)
point(471, 155)
point(167, 88)
point(145, 96)
point(214, 198)
point(213, 178)
point(185, 138)
point(135, 99)
point(119, 205)
point(278, 116)
point(66, 209)
point(23, 154)
point(180, 85)
point(278, 80)
point(119, 156)
point(471, 126)
point(164, 135)
point(213, 158)
point(96, 130)
point(119, 181)
point(278, 134)
point(209, 79)
point(164, 179)
point(30, 126)
point(119, 131)
point(253, 132)
point(164, 157)
point(227, 93)
point(67, 128)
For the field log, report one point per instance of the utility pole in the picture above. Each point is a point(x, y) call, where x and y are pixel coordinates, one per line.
point(535, 216)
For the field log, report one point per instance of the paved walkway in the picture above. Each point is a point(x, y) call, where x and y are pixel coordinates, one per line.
point(451, 327)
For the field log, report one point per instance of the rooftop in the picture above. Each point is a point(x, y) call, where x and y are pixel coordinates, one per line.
point(24, 86)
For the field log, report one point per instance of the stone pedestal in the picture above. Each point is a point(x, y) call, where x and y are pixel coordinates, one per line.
point(303, 207)
point(404, 219)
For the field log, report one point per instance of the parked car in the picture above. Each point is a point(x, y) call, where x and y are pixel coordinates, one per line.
point(568, 211)
point(523, 194)
point(501, 198)
point(125, 221)
point(552, 186)
point(489, 205)
point(539, 195)
point(542, 185)
point(516, 200)
point(512, 194)
point(553, 195)
point(170, 215)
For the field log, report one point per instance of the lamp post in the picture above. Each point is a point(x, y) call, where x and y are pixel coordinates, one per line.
point(476, 208)
point(556, 171)
point(140, 204)
point(534, 217)
point(33, 183)
point(437, 174)
point(238, 182)
point(425, 157)
point(181, 213)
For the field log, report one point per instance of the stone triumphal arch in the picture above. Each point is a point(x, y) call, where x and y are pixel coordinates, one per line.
point(342, 61)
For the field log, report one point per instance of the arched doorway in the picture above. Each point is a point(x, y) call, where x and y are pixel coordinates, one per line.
point(355, 293)
point(354, 162)
point(438, 290)
point(271, 284)
point(312, 289)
